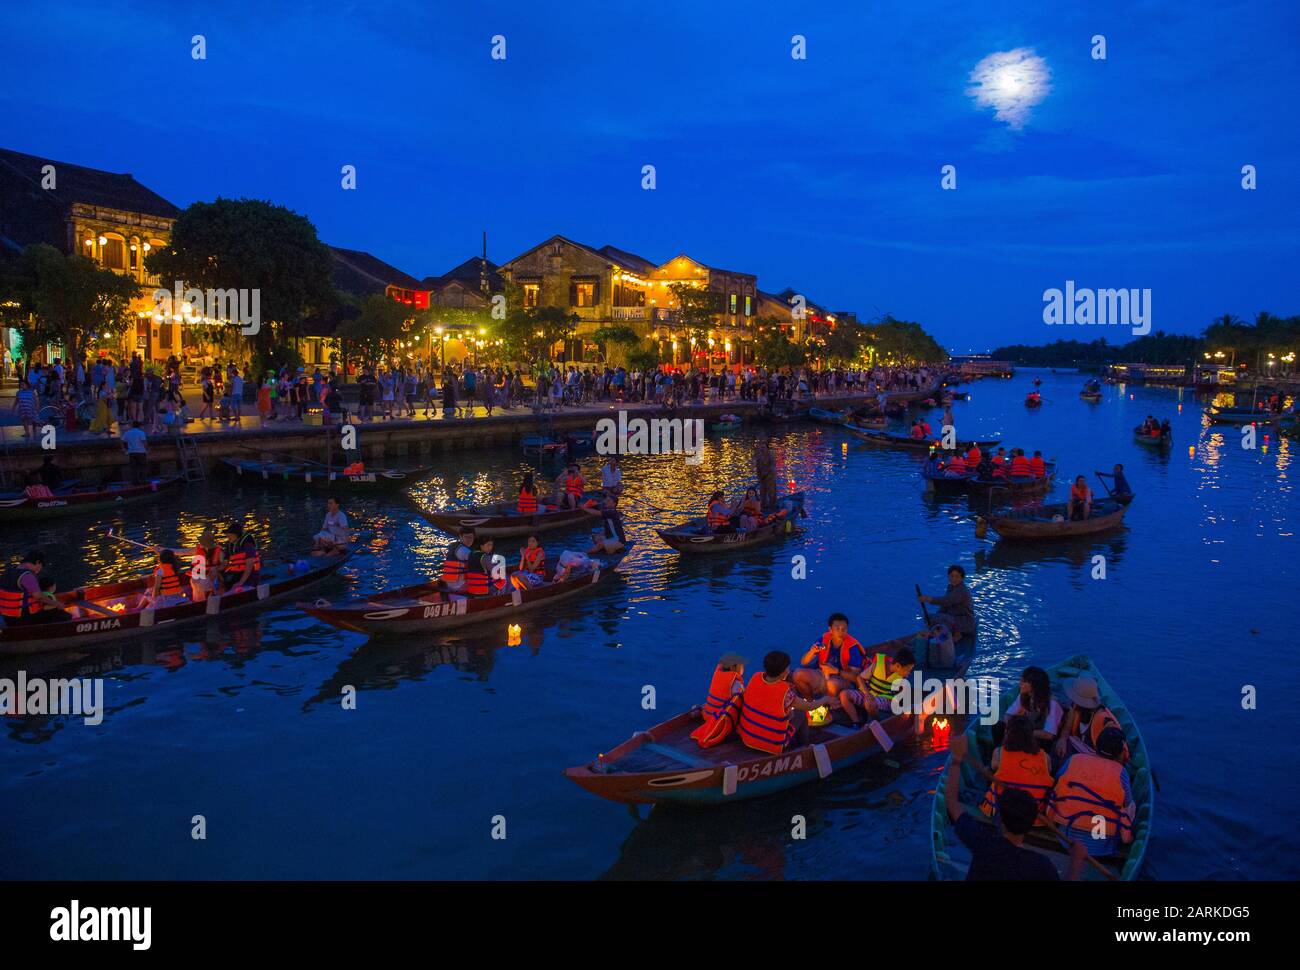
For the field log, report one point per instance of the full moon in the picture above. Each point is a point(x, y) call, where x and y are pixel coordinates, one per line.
point(1010, 82)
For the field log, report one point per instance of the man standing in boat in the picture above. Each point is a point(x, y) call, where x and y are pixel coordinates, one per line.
point(765, 467)
point(957, 609)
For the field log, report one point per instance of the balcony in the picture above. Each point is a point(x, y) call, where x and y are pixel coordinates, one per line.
point(631, 313)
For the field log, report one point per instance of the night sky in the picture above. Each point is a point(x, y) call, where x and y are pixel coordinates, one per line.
point(821, 174)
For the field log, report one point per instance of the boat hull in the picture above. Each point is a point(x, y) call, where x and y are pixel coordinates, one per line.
point(905, 442)
point(290, 474)
point(1029, 527)
point(496, 521)
point(15, 506)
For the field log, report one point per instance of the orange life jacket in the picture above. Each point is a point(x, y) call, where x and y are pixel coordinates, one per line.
point(1091, 786)
point(453, 567)
point(171, 579)
point(476, 582)
point(527, 504)
point(1082, 494)
point(15, 601)
point(916, 432)
point(719, 692)
point(824, 654)
point(713, 731)
point(719, 515)
point(1102, 718)
point(997, 461)
point(956, 464)
point(1020, 465)
point(973, 456)
point(1030, 773)
point(925, 428)
point(533, 560)
point(1038, 467)
point(573, 484)
point(764, 722)
point(240, 558)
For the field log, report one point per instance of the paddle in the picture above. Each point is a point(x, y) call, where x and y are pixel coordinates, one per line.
point(924, 612)
point(93, 608)
point(1101, 477)
point(1065, 843)
point(140, 545)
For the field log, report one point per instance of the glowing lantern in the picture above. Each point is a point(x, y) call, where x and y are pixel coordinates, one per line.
point(939, 731)
point(844, 447)
point(1191, 451)
point(513, 635)
point(790, 484)
point(818, 716)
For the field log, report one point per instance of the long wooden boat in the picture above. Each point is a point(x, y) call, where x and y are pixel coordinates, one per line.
point(1092, 397)
point(125, 619)
point(1243, 416)
point(1152, 440)
point(694, 536)
point(1018, 486)
point(822, 416)
point(75, 499)
point(1042, 523)
point(427, 608)
point(949, 858)
point(321, 476)
point(726, 423)
point(500, 518)
point(893, 439)
point(665, 764)
point(867, 423)
point(944, 482)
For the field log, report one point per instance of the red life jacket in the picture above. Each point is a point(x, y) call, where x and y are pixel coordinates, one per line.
point(824, 654)
point(15, 601)
point(764, 722)
point(1020, 465)
point(241, 557)
point(527, 504)
point(573, 484)
point(1029, 772)
point(1038, 467)
point(171, 579)
point(453, 567)
point(719, 515)
point(1091, 786)
point(956, 464)
point(477, 582)
point(1080, 494)
point(533, 560)
point(973, 456)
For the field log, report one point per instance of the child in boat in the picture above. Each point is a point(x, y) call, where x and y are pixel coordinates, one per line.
point(166, 589)
point(532, 566)
point(751, 511)
point(774, 714)
point(205, 564)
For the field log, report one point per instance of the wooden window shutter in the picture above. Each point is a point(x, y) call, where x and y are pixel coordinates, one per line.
point(573, 294)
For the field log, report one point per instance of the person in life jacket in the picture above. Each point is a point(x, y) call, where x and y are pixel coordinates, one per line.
point(572, 486)
point(527, 502)
point(973, 456)
point(916, 433)
point(22, 601)
point(456, 562)
point(766, 720)
point(532, 565)
point(719, 515)
point(833, 665)
point(879, 674)
point(1080, 499)
point(1038, 467)
point(1019, 464)
point(955, 467)
point(751, 511)
point(241, 561)
point(1018, 763)
point(488, 573)
point(205, 565)
point(925, 428)
point(999, 462)
point(1087, 718)
point(1092, 801)
point(721, 708)
point(166, 588)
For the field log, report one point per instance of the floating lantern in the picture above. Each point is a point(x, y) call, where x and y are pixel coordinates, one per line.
point(1191, 451)
point(790, 484)
point(819, 716)
point(513, 635)
point(939, 731)
point(844, 448)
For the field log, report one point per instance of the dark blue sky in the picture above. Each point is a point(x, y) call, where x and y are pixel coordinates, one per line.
point(822, 174)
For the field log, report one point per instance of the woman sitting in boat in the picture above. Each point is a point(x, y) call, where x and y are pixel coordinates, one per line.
point(1084, 723)
point(957, 609)
point(456, 563)
point(1038, 467)
point(334, 536)
point(751, 511)
point(767, 723)
point(718, 519)
point(527, 502)
point(242, 561)
point(1036, 704)
point(485, 575)
point(572, 486)
point(1091, 785)
point(832, 666)
point(1080, 499)
point(166, 589)
point(532, 565)
point(1017, 763)
point(1019, 464)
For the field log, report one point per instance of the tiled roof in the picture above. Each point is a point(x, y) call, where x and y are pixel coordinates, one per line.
point(76, 183)
point(361, 273)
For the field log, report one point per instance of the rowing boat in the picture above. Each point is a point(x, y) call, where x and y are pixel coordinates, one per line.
point(1019, 486)
point(949, 858)
point(1033, 401)
point(893, 439)
point(1242, 416)
point(1053, 522)
point(694, 536)
point(1152, 440)
point(117, 616)
point(727, 422)
point(1092, 397)
point(428, 608)
point(942, 481)
point(822, 416)
point(75, 499)
point(665, 764)
point(323, 476)
point(868, 423)
point(502, 519)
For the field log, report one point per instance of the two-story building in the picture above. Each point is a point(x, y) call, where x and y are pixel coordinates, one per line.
point(108, 217)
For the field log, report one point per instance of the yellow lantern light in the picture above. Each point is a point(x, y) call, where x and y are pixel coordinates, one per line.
point(513, 635)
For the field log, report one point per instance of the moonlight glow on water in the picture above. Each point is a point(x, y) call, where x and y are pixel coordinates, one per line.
point(242, 722)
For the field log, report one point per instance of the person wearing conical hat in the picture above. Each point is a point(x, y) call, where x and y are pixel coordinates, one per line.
point(1086, 719)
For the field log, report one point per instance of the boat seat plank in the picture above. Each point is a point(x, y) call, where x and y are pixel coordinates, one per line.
point(679, 755)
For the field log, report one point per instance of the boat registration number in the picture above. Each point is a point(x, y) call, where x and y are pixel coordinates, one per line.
point(96, 625)
point(777, 766)
point(444, 609)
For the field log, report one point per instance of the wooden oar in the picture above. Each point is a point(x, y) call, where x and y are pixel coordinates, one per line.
point(121, 538)
point(1060, 837)
point(93, 608)
point(1101, 477)
point(924, 612)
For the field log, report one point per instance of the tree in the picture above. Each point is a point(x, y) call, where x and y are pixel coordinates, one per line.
point(774, 351)
point(844, 344)
point(246, 244)
point(617, 343)
point(378, 324)
point(66, 300)
point(904, 341)
point(530, 334)
point(693, 316)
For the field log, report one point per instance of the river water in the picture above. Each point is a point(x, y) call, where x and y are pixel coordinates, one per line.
point(242, 722)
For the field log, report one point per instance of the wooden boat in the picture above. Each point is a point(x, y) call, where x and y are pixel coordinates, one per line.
point(1152, 440)
point(895, 440)
point(557, 447)
point(500, 518)
point(940, 481)
point(1018, 486)
point(664, 763)
point(117, 616)
point(822, 416)
point(1242, 416)
point(427, 608)
point(1033, 401)
point(76, 498)
point(727, 422)
point(1092, 397)
point(867, 423)
point(949, 858)
point(694, 536)
point(322, 476)
point(1040, 523)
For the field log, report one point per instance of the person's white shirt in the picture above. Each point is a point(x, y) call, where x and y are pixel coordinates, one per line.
point(1054, 714)
point(336, 527)
point(136, 441)
point(611, 476)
